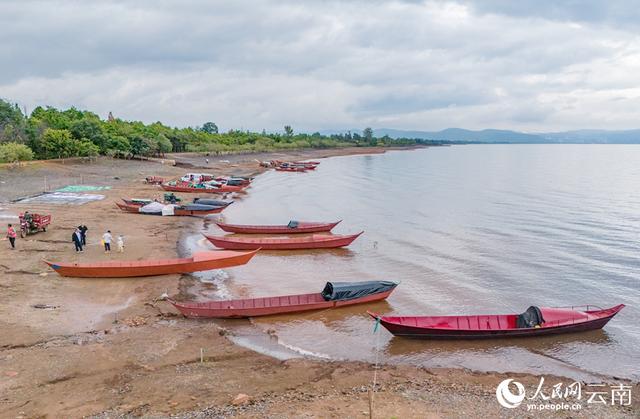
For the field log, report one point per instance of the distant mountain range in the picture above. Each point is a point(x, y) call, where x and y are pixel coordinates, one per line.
point(587, 136)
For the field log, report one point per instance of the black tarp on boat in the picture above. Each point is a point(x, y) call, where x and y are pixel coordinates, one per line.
point(335, 291)
point(292, 224)
point(530, 318)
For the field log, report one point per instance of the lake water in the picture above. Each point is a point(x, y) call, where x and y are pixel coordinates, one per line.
point(475, 229)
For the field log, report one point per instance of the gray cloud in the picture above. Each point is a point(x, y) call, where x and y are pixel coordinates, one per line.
point(325, 64)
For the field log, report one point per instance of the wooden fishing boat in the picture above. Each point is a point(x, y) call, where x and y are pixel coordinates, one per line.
point(552, 321)
point(325, 241)
point(179, 210)
point(212, 202)
point(201, 261)
point(138, 202)
point(291, 169)
point(334, 295)
point(190, 189)
point(291, 228)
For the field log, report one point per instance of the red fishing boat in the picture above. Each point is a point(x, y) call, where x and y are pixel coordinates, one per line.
point(201, 261)
point(334, 294)
point(534, 322)
point(291, 169)
point(317, 241)
point(185, 187)
point(294, 227)
point(177, 210)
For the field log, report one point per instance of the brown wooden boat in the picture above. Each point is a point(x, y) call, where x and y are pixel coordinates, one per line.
point(201, 261)
point(317, 241)
point(334, 294)
point(291, 228)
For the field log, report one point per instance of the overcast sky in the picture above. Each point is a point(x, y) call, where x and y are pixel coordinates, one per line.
point(528, 65)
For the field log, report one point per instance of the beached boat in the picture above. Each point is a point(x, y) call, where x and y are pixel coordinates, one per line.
point(183, 187)
point(201, 261)
point(294, 227)
point(334, 294)
point(179, 210)
point(317, 241)
point(533, 322)
point(291, 169)
point(212, 202)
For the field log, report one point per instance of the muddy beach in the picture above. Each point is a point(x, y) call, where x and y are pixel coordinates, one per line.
point(107, 348)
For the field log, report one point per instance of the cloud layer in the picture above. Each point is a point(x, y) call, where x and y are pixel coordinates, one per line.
point(319, 65)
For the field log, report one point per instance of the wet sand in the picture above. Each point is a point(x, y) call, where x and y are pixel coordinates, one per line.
point(107, 348)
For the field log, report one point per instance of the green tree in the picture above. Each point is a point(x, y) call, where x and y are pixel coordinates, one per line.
point(12, 123)
point(57, 143)
point(209, 128)
point(118, 145)
point(163, 145)
point(12, 152)
point(90, 129)
point(367, 134)
point(288, 131)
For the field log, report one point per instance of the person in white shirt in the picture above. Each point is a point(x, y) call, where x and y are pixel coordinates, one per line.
point(120, 244)
point(106, 239)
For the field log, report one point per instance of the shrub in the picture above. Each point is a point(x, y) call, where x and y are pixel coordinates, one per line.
point(12, 152)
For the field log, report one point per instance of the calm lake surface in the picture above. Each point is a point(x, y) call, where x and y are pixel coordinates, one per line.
point(476, 229)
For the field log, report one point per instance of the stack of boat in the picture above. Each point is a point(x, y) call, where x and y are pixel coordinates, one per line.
point(535, 321)
point(156, 208)
point(296, 166)
point(207, 183)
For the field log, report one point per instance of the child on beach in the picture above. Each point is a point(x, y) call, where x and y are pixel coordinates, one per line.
point(120, 244)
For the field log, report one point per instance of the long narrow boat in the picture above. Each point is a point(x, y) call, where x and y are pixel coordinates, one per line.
point(316, 241)
point(177, 210)
point(550, 321)
point(292, 169)
point(334, 294)
point(212, 202)
point(190, 189)
point(201, 261)
point(291, 228)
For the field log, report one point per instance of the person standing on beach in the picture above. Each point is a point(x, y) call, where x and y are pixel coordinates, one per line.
point(11, 235)
point(83, 234)
point(106, 239)
point(76, 237)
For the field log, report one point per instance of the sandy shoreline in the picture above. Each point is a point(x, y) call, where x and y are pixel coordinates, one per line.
point(108, 349)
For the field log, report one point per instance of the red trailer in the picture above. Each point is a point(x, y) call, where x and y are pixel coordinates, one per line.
point(33, 223)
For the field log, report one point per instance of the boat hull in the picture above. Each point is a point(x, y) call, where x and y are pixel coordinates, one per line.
point(597, 320)
point(185, 189)
point(271, 306)
point(135, 209)
point(330, 242)
point(208, 261)
point(278, 229)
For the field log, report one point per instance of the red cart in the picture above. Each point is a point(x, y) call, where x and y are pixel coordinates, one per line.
point(33, 223)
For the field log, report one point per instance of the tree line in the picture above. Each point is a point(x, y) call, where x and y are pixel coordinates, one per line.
point(50, 133)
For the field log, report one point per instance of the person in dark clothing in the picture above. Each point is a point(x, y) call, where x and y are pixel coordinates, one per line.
point(83, 234)
point(76, 237)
